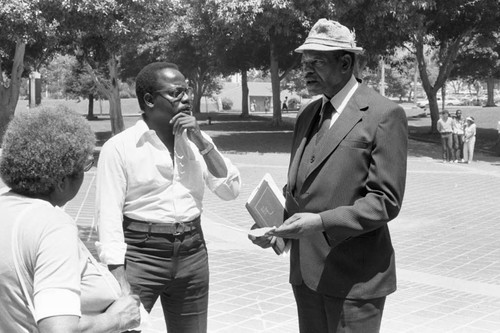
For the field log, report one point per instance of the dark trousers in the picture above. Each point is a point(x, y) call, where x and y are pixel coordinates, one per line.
point(458, 145)
point(325, 314)
point(446, 143)
point(174, 268)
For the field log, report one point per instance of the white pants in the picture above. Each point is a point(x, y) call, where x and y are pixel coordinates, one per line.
point(469, 149)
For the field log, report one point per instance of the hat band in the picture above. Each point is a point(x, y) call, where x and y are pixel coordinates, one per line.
point(330, 42)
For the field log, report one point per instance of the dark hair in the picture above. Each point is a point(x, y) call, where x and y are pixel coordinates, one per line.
point(43, 145)
point(145, 81)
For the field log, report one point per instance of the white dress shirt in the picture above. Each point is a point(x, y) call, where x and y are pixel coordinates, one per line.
point(339, 101)
point(136, 177)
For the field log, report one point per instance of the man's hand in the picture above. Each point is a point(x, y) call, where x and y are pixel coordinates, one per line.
point(126, 311)
point(118, 272)
point(186, 121)
point(263, 241)
point(298, 225)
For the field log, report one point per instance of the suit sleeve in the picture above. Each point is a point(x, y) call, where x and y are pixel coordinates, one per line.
point(381, 195)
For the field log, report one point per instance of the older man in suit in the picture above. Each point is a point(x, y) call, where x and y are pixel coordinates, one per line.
point(345, 183)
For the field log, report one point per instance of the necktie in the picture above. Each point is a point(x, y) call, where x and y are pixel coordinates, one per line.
point(324, 123)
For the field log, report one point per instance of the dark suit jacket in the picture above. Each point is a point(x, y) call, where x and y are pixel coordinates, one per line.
point(356, 184)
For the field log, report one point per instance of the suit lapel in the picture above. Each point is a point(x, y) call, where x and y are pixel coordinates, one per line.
point(351, 115)
point(309, 115)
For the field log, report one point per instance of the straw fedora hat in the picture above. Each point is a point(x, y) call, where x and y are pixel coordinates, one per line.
point(327, 35)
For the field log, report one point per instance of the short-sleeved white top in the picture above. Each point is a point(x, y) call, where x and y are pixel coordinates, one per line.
point(50, 262)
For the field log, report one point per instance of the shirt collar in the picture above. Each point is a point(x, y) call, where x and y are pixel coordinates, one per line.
point(339, 101)
point(144, 134)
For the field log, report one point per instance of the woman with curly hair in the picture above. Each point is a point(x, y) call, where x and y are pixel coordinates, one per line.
point(48, 279)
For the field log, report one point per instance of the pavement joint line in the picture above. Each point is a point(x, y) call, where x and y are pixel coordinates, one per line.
point(248, 165)
point(439, 172)
point(85, 197)
point(469, 287)
point(254, 132)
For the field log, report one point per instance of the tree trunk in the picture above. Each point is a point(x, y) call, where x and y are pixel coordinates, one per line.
point(428, 88)
point(447, 54)
point(90, 114)
point(196, 104)
point(275, 85)
point(9, 91)
point(115, 108)
point(244, 94)
point(381, 64)
point(490, 86)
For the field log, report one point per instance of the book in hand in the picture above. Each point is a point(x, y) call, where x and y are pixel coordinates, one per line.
point(266, 205)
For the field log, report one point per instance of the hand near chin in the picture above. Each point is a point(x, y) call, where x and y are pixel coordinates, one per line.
point(184, 120)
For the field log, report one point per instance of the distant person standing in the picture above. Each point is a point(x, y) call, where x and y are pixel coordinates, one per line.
point(457, 127)
point(444, 127)
point(285, 105)
point(469, 139)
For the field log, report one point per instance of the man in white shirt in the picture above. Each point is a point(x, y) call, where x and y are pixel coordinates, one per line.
point(150, 185)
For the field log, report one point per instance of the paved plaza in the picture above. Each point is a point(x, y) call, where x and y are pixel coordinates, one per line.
point(446, 239)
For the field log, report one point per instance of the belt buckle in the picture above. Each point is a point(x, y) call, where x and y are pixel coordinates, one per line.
point(180, 227)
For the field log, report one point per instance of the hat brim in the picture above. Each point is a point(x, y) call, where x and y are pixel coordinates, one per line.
point(325, 48)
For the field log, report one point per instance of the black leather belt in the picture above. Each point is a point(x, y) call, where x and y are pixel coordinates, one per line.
point(172, 228)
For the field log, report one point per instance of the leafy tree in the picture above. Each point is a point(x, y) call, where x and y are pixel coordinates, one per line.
point(295, 82)
point(100, 32)
point(79, 83)
point(481, 61)
point(281, 26)
point(26, 35)
point(239, 49)
point(439, 28)
point(54, 73)
point(189, 41)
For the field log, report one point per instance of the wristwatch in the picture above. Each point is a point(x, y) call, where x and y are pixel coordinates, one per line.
point(207, 150)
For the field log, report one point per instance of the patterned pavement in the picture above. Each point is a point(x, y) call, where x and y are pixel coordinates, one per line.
point(446, 241)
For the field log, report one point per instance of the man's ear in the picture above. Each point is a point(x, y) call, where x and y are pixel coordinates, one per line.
point(347, 62)
point(60, 185)
point(148, 99)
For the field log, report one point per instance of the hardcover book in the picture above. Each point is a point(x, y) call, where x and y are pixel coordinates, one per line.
point(266, 205)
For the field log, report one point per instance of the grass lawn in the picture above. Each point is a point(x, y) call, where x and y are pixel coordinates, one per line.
point(255, 134)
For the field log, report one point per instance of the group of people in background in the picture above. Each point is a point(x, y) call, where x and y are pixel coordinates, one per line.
point(458, 137)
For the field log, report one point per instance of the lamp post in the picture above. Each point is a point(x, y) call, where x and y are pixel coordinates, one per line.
point(35, 89)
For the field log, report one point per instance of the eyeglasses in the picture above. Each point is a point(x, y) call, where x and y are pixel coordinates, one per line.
point(88, 164)
point(175, 94)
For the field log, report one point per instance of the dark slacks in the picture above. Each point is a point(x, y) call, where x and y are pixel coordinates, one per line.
point(174, 268)
point(458, 145)
point(325, 314)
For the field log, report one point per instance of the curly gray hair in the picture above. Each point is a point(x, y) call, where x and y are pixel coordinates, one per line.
point(42, 146)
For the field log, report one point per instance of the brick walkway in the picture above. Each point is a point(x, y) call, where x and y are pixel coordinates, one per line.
point(446, 240)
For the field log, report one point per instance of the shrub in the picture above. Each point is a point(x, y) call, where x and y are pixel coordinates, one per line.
point(124, 94)
point(227, 103)
point(293, 103)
